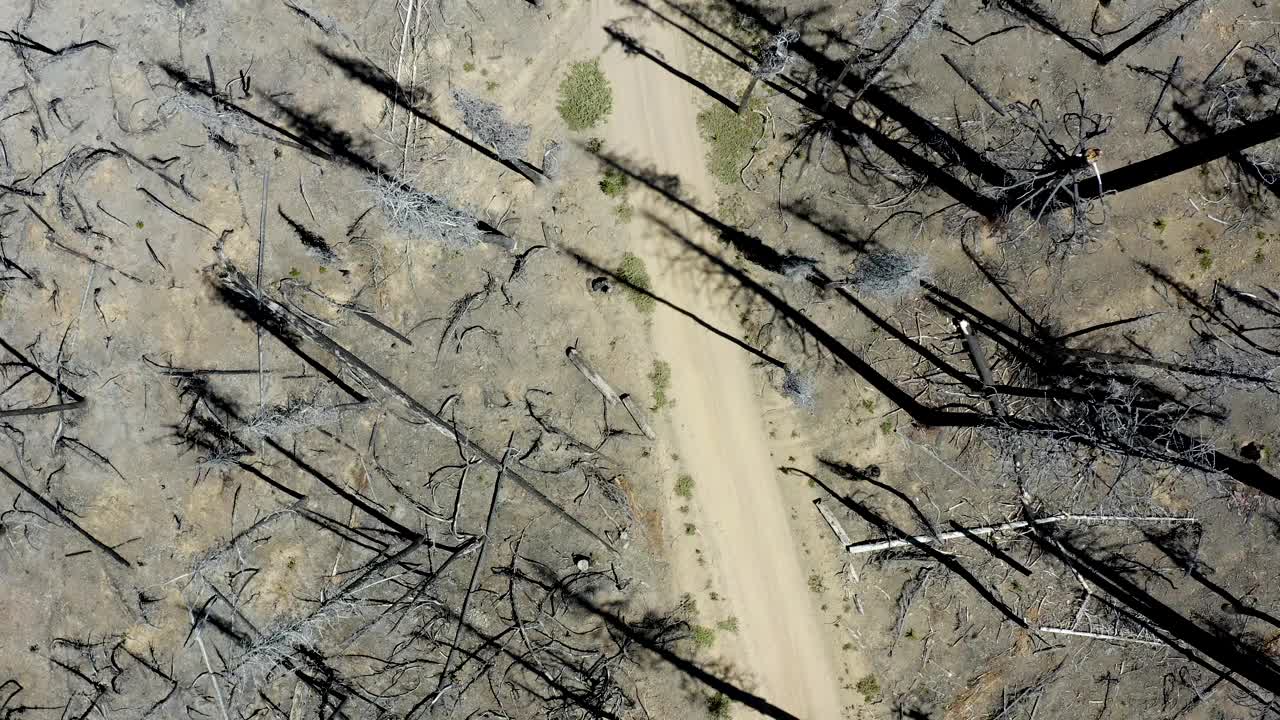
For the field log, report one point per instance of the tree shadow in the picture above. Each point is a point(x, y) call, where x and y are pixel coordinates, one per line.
point(847, 129)
point(877, 520)
point(631, 46)
point(377, 79)
point(1041, 17)
point(1181, 634)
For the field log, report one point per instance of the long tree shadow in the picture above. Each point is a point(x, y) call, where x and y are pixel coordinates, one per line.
point(1180, 633)
point(631, 46)
point(594, 267)
point(877, 520)
point(847, 129)
point(950, 148)
point(377, 79)
point(1041, 17)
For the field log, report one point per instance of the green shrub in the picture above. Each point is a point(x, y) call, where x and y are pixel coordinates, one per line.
point(869, 687)
point(468, 66)
point(704, 637)
point(595, 145)
point(729, 624)
point(660, 376)
point(614, 182)
point(729, 137)
point(684, 486)
point(585, 96)
point(633, 272)
point(719, 707)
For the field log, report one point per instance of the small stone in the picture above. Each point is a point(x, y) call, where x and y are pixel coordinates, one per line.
point(601, 285)
point(584, 565)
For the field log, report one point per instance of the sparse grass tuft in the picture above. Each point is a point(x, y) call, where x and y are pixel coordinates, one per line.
point(660, 376)
point(729, 137)
point(704, 637)
point(719, 707)
point(729, 624)
point(614, 183)
point(869, 687)
point(585, 96)
point(816, 584)
point(468, 67)
point(1206, 257)
point(1159, 224)
point(633, 272)
point(684, 486)
point(624, 212)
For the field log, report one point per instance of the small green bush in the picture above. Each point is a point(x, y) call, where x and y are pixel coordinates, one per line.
point(660, 376)
point(869, 686)
point(729, 624)
point(595, 145)
point(704, 637)
point(585, 96)
point(624, 212)
point(614, 182)
point(468, 66)
point(684, 486)
point(633, 272)
point(719, 707)
point(729, 138)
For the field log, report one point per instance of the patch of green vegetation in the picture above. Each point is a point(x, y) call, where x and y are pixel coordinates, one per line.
point(139, 225)
point(491, 85)
point(869, 688)
point(1159, 224)
point(869, 404)
point(729, 624)
point(703, 637)
point(684, 486)
point(660, 378)
point(886, 427)
point(719, 707)
point(1206, 257)
point(585, 96)
point(323, 269)
point(1259, 257)
point(595, 145)
point(624, 212)
point(690, 529)
point(295, 273)
point(729, 137)
point(468, 66)
point(816, 584)
point(614, 183)
point(633, 272)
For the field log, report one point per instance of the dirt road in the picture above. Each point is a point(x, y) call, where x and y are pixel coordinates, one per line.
point(718, 426)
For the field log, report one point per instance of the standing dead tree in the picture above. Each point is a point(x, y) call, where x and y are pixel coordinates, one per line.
point(509, 140)
point(773, 62)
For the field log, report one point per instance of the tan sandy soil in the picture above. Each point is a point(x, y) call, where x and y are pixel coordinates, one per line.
point(717, 425)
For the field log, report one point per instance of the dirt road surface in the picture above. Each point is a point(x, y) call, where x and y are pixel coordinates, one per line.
point(717, 425)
